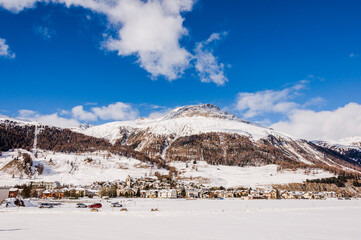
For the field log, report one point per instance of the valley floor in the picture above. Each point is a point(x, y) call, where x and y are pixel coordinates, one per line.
point(188, 219)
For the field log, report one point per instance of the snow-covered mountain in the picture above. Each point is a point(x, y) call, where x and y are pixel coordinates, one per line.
point(183, 121)
point(205, 132)
point(202, 133)
point(349, 147)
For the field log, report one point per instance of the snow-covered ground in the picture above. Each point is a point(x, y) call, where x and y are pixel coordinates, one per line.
point(233, 176)
point(183, 219)
point(76, 169)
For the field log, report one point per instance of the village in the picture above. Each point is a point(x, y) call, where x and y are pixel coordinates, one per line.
point(151, 187)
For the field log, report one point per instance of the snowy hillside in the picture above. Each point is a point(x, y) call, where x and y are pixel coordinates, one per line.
point(75, 169)
point(229, 151)
point(86, 168)
point(349, 147)
point(184, 121)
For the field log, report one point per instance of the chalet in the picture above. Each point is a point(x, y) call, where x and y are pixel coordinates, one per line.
point(271, 194)
point(58, 193)
point(48, 194)
point(13, 192)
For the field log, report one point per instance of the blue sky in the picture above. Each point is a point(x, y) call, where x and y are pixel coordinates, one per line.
point(267, 61)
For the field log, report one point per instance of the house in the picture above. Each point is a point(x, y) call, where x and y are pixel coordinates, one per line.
point(241, 193)
point(271, 194)
point(48, 194)
point(318, 196)
point(309, 195)
point(56, 193)
point(223, 194)
point(170, 193)
point(46, 185)
point(286, 195)
point(228, 194)
point(92, 192)
point(13, 192)
point(143, 193)
point(151, 194)
point(192, 193)
point(79, 191)
point(254, 197)
point(37, 192)
point(330, 194)
point(292, 195)
point(204, 194)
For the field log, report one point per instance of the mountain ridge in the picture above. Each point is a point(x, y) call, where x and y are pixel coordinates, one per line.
point(197, 133)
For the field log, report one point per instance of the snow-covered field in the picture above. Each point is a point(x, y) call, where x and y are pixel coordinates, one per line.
point(188, 219)
point(233, 176)
point(75, 169)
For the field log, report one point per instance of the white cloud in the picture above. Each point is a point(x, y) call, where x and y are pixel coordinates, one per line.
point(325, 125)
point(50, 119)
point(79, 113)
point(209, 70)
point(151, 30)
point(55, 120)
point(160, 113)
point(116, 111)
point(24, 113)
point(5, 49)
point(269, 101)
point(18, 5)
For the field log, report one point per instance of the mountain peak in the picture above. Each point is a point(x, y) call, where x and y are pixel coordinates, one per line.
point(200, 110)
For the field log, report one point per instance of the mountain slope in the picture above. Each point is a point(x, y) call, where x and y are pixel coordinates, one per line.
point(204, 132)
point(349, 149)
point(201, 135)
